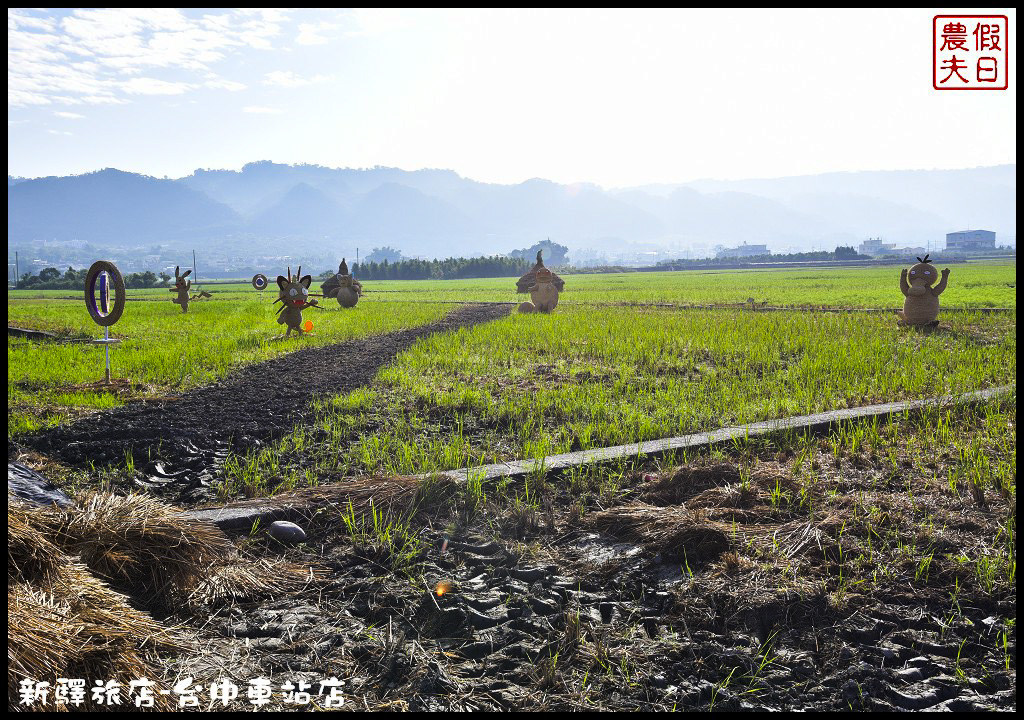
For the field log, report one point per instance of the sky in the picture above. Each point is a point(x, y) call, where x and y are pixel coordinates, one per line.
point(616, 98)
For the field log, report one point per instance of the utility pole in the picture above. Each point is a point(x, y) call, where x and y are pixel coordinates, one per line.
point(17, 272)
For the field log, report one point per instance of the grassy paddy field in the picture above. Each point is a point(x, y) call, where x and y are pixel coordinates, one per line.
point(868, 567)
point(971, 285)
point(162, 350)
point(612, 374)
point(533, 385)
point(976, 285)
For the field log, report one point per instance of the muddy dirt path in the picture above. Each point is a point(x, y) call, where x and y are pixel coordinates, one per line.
point(580, 621)
point(179, 442)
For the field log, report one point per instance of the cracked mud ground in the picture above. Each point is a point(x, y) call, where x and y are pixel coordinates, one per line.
point(553, 609)
point(182, 439)
point(853, 580)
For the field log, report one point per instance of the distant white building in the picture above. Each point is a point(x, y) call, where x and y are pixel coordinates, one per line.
point(743, 250)
point(875, 246)
point(908, 252)
point(971, 240)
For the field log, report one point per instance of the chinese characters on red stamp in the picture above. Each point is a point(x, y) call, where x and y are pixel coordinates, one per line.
point(969, 52)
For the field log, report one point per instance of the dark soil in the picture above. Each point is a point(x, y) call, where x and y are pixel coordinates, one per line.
point(177, 443)
point(550, 611)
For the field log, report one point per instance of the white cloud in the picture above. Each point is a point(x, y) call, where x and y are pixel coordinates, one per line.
point(218, 83)
point(85, 56)
point(152, 86)
point(69, 115)
point(17, 18)
point(59, 132)
point(264, 24)
point(313, 33)
point(378, 21)
point(101, 100)
point(22, 98)
point(261, 110)
point(286, 78)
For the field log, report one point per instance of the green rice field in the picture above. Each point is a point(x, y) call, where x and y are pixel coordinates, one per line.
point(532, 385)
point(162, 350)
point(970, 285)
point(594, 372)
point(909, 516)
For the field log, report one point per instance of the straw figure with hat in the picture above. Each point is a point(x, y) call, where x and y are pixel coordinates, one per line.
point(543, 286)
point(342, 287)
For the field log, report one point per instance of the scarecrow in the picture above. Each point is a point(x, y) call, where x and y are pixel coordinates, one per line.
point(543, 286)
point(182, 286)
point(921, 307)
point(343, 287)
point(294, 298)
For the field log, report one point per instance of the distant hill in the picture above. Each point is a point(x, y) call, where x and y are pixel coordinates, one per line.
point(111, 205)
point(302, 211)
point(437, 213)
point(906, 206)
point(413, 222)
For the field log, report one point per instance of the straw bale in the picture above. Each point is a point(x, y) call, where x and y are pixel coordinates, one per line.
point(250, 579)
point(396, 495)
point(63, 619)
point(142, 544)
point(31, 557)
point(139, 545)
point(76, 627)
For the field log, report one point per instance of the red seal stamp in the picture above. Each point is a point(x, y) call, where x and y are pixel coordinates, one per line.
point(969, 52)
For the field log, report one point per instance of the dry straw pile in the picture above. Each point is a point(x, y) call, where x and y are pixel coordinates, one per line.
point(77, 578)
point(63, 621)
point(676, 533)
point(398, 496)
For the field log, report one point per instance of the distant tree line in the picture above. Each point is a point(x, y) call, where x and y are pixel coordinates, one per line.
point(478, 267)
point(554, 254)
point(52, 279)
point(384, 253)
point(840, 253)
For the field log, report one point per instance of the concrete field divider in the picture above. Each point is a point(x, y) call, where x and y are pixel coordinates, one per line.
point(302, 503)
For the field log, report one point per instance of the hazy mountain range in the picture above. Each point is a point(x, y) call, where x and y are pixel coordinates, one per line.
point(437, 213)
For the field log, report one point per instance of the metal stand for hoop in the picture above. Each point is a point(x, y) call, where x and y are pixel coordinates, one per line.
point(106, 341)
